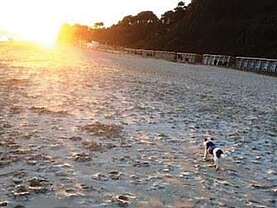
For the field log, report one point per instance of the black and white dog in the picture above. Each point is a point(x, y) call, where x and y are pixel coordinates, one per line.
point(210, 148)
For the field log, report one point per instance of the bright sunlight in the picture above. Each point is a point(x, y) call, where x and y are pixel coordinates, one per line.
point(43, 35)
point(30, 21)
point(39, 21)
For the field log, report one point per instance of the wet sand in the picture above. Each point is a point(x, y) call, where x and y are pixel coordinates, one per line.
point(93, 129)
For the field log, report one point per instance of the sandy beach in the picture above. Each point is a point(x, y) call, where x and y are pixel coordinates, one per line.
point(85, 128)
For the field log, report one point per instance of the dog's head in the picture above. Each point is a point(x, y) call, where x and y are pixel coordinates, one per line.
point(207, 139)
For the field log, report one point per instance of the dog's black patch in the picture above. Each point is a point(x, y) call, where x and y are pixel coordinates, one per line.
point(210, 145)
point(219, 153)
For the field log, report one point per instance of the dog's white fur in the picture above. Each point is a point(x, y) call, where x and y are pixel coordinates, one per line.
point(215, 152)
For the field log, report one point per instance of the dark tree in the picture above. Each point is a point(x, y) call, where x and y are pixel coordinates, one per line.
point(181, 4)
point(98, 25)
point(233, 27)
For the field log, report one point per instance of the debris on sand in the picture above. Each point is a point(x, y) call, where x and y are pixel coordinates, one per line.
point(103, 130)
point(99, 177)
point(38, 185)
point(3, 203)
point(35, 185)
point(45, 111)
point(93, 146)
point(16, 109)
point(121, 200)
point(81, 157)
point(20, 190)
point(75, 138)
point(115, 174)
point(13, 82)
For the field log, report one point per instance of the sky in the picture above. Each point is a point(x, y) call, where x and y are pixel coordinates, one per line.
point(40, 20)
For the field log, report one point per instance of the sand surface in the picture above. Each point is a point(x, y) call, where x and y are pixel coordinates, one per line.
point(82, 129)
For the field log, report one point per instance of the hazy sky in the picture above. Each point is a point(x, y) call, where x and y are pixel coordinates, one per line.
point(34, 18)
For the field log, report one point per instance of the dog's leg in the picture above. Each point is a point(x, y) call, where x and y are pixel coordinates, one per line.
point(216, 162)
point(205, 153)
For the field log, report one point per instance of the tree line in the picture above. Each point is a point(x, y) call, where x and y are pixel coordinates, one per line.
point(233, 27)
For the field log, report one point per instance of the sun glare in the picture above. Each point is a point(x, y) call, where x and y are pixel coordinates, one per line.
point(41, 34)
point(40, 20)
point(35, 21)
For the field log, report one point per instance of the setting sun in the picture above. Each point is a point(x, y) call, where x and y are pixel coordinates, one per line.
point(39, 21)
point(43, 34)
point(34, 21)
